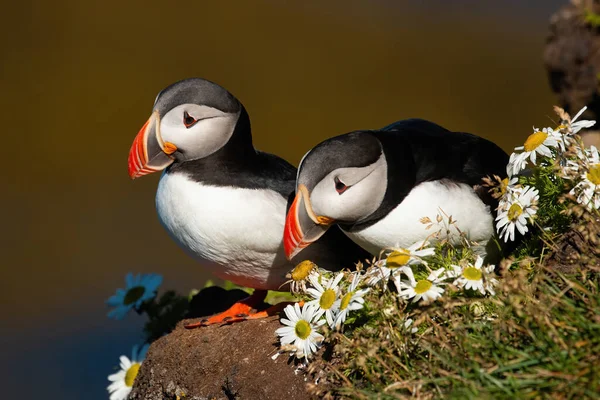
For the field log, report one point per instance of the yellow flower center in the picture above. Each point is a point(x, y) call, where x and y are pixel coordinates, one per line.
point(398, 258)
point(504, 186)
point(345, 301)
point(472, 273)
point(301, 271)
point(133, 295)
point(594, 174)
point(302, 329)
point(535, 140)
point(514, 211)
point(327, 299)
point(422, 286)
point(131, 374)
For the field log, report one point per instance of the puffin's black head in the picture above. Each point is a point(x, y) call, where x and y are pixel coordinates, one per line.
point(191, 119)
point(342, 179)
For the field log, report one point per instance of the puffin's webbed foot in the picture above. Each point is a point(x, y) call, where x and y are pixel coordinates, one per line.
point(239, 311)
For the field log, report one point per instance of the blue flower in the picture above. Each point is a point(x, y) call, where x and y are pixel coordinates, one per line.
point(139, 288)
point(122, 381)
point(138, 353)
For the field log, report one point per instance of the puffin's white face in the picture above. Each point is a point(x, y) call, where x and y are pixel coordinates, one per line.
point(191, 119)
point(197, 130)
point(350, 194)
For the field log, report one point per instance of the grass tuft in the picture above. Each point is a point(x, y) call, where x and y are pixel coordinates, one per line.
point(539, 337)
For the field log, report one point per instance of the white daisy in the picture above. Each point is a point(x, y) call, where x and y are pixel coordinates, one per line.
point(588, 189)
point(516, 163)
point(427, 289)
point(351, 301)
point(515, 210)
point(489, 279)
point(397, 259)
point(539, 142)
point(564, 139)
point(139, 288)
point(579, 125)
point(508, 185)
point(300, 274)
point(509, 195)
point(301, 329)
point(325, 294)
point(122, 381)
point(472, 277)
point(507, 189)
point(571, 128)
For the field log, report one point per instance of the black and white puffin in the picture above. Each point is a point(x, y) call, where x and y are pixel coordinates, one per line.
point(377, 185)
point(220, 199)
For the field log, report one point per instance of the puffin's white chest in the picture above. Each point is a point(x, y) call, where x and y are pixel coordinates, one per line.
point(236, 233)
point(402, 226)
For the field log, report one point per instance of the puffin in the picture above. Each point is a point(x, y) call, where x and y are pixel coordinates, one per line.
point(220, 199)
point(378, 185)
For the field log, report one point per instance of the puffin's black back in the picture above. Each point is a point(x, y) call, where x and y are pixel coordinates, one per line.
point(418, 151)
point(438, 153)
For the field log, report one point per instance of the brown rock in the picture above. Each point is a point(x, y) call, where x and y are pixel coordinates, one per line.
point(219, 362)
point(572, 59)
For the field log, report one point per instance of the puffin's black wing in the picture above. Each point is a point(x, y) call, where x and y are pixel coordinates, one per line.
point(418, 151)
point(274, 173)
point(401, 123)
point(432, 152)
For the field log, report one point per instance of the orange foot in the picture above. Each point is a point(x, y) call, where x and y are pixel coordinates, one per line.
point(243, 310)
point(240, 311)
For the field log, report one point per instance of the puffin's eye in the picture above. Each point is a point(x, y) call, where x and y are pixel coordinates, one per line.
point(188, 120)
point(340, 186)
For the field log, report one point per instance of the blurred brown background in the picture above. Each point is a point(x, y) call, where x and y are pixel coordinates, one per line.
point(79, 79)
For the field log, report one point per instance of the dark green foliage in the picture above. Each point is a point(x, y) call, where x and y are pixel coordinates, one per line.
point(551, 219)
point(163, 314)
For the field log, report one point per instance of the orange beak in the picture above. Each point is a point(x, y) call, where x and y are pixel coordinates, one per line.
point(149, 153)
point(302, 226)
